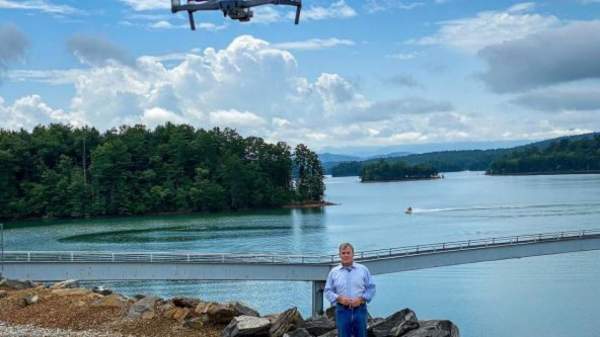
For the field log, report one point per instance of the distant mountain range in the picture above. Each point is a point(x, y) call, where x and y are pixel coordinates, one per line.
point(444, 161)
point(368, 152)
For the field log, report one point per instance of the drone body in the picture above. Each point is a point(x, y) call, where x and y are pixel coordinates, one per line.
point(235, 9)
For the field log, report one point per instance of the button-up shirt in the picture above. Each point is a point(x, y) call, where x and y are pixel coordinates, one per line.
point(351, 281)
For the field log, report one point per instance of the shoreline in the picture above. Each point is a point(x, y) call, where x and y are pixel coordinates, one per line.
point(310, 205)
point(181, 213)
point(551, 173)
point(400, 180)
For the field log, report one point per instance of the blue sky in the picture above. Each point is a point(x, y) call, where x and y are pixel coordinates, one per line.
point(353, 73)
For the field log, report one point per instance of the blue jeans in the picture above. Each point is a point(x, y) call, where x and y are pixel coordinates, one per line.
point(351, 322)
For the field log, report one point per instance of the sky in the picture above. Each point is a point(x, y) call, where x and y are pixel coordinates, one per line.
point(353, 73)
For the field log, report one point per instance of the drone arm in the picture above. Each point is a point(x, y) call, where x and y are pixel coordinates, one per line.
point(192, 22)
point(298, 9)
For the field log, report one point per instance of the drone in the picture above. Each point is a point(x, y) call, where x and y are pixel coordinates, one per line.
point(235, 9)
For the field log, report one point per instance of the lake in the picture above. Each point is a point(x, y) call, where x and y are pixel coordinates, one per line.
point(550, 296)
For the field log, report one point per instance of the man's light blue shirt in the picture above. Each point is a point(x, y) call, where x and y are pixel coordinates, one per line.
point(351, 281)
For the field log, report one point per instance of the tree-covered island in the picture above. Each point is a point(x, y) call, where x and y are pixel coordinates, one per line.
point(396, 171)
point(61, 171)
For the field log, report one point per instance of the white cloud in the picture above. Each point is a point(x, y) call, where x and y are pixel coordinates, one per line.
point(374, 6)
point(236, 119)
point(338, 9)
point(271, 14)
point(28, 112)
point(145, 5)
point(39, 5)
point(257, 88)
point(314, 44)
point(402, 56)
point(490, 28)
point(157, 116)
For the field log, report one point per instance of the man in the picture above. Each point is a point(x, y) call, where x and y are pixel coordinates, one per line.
point(350, 287)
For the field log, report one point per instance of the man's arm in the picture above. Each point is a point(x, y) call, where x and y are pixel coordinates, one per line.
point(330, 293)
point(369, 287)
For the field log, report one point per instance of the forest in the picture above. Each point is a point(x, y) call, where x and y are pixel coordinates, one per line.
point(563, 156)
point(395, 171)
point(60, 171)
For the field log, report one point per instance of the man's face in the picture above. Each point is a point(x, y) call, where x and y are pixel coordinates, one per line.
point(347, 256)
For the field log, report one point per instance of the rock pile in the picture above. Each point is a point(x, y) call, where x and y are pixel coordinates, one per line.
point(187, 315)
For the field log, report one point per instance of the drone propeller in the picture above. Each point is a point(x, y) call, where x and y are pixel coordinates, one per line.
point(298, 9)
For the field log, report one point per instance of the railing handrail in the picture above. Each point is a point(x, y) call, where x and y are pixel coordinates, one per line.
point(272, 258)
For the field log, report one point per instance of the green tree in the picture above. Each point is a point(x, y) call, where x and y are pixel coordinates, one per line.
point(309, 185)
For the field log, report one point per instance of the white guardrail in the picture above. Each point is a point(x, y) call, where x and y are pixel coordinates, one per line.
point(224, 258)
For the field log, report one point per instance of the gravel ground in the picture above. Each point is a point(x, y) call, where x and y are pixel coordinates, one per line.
point(34, 331)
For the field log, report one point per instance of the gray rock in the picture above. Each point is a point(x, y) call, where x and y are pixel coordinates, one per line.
point(218, 313)
point(16, 284)
point(195, 323)
point(395, 325)
point(30, 300)
point(247, 326)
point(3, 294)
point(143, 308)
point(434, 329)
point(65, 284)
point(332, 333)
point(102, 291)
point(319, 326)
point(241, 309)
point(138, 297)
point(183, 302)
point(298, 333)
point(287, 321)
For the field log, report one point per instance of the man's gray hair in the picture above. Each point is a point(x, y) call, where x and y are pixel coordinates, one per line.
point(346, 245)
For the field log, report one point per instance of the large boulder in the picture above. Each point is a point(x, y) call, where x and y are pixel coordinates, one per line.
point(178, 313)
point(29, 300)
point(298, 333)
point(65, 284)
point(434, 329)
point(288, 320)
point(319, 326)
point(16, 284)
point(247, 326)
point(102, 291)
point(184, 302)
point(3, 294)
point(218, 313)
point(241, 309)
point(143, 308)
point(195, 323)
point(111, 301)
point(332, 333)
point(395, 325)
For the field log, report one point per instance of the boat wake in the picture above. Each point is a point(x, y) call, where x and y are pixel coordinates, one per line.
point(515, 210)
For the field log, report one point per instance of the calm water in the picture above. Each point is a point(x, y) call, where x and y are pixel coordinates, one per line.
point(550, 296)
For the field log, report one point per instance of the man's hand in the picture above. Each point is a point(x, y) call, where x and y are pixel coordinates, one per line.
point(356, 302)
point(344, 300)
